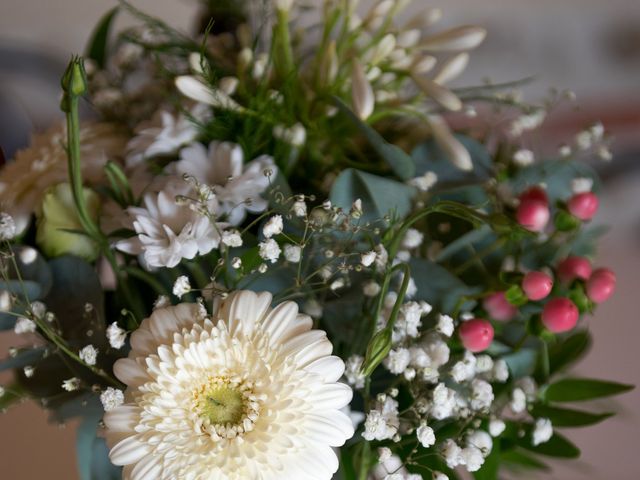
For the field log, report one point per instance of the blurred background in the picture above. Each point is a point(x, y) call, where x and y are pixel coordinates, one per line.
point(589, 46)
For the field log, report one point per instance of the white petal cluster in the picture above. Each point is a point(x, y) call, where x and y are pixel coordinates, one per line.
point(237, 186)
point(425, 435)
point(116, 336)
point(227, 397)
point(111, 398)
point(382, 422)
point(542, 431)
point(24, 325)
point(353, 373)
point(89, 355)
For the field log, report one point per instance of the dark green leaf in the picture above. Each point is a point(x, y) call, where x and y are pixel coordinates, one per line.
point(380, 196)
point(566, 417)
point(12, 394)
point(399, 161)
point(558, 446)
point(491, 465)
point(568, 351)
point(97, 47)
point(579, 389)
point(437, 285)
point(520, 459)
point(522, 362)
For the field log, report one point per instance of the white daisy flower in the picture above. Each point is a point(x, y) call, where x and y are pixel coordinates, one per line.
point(237, 186)
point(251, 393)
point(168, 232)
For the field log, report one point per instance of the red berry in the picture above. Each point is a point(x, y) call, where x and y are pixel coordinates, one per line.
point(533, 215)
point(498, 307)
point(574, 267)
point(560, 315)
point(583, 205)
point(476, 334)
point(537, 285)
point(535, 193)
point(601, 285)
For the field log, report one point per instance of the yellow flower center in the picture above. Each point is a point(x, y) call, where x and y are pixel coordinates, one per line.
point(223, 405)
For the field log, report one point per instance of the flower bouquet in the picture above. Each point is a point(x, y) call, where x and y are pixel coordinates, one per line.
point(283, 248)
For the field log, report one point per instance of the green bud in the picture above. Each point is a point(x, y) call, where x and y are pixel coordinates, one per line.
point(377, 350)
point(565, 222)
point(580, 299)
point(58, 223)
point(74, 80)
point(515, 296)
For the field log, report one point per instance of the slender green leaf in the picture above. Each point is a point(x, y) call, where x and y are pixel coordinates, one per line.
point(518, 458)
point(564, 353)
point(399, 161)
point(579, 389)
point(566, 417)
point(97, 47)
point(558, 446)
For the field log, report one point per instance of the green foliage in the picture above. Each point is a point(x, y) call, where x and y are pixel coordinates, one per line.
point(569, 350)
point(517, 459)
point(92, 451)
point(399, 161)
point(380, 196)
point(522, 362)
point(491, 466)
point(579, 389)
point(98, 44)
point(558, 446)
point(566, 417)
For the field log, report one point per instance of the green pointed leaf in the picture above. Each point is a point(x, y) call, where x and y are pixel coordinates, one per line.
point(558, 446)
point(12, 394)
point(579, 389)
point(521, 459)
point(97, 47)
point(566, 417)
point(568, 351)
point(380, 196)
point(522, 362)
point(399, 161)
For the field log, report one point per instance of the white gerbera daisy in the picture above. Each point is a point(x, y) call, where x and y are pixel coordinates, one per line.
point(168, 232)
point(250, 394)
point(237, 186)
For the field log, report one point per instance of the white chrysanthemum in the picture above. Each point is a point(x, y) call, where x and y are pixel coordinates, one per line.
point(252, 393)
point(237, 186)
point(168, 232)
point(24, 181)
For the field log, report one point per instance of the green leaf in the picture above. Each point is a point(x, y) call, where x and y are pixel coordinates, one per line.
point(380, 196)
point(429, 157)
point(523, 460)
point(436, 285)
point(557, 446)
point(92, 451)
point(568, 351)
point(579, 389)
point(491, 465)
point(12, 394)
point(566, 417)
point(399, 161)
point(97, 47)
point(522, 362)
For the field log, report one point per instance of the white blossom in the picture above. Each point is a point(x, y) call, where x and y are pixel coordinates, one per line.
point(444, 402)
point(273, 226)
point(481, 440)
point(384, 454)
point(523, 157)
point(111, 398)
point(24, 325)
point(299, 208)
point(451, 452)
point(29, 371)
point(464, 369)
point(542, 432)
point(471, 457)
point(7, 227)
point(518, 402)
point(412, 239)
point(500, 371)
point(371, 288)
point(89, 355)
point(484, 364)
point(269, 250)
point(71, 384)
point(482, 394)
point(382, 423)
point(182, 286)
point(353, 372)
point(445, 325)
point(496, 427)
point(367, 259)
point(116, 335)
point(425, 182)
point(397, 360)
point(292, 253)
point(232, 238)
point(425, 435)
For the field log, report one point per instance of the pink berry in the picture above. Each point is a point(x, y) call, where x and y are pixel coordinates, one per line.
point(560, 315)
point(583, 205)
point(476, 334)
point(601, 285)
point(498, 307)
point(533, 215)
point(574, 267)
point(537, 285)
point(535, 193)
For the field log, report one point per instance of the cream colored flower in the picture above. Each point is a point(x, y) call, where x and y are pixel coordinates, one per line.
point(250, 394)
point(24, 182)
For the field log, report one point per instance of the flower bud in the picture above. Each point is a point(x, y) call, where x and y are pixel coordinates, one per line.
point(455, 39)
point(583, 205)
point(58, 217)
point(574, 267)
point(560, 315)
point(377, 351)
point(601, 285)
point(476, 334)
point(361, 92)
point(537, 285)
point(533, 215)
point(498, 307)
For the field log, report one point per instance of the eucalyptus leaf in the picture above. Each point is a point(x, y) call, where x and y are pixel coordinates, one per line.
point(92, 451)
point(522, 362)
point(380, 196)
point(399, 161)
point(579, 389)
point(566, 417)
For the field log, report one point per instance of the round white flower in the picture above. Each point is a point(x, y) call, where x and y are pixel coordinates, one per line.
point(445, 325)
point(89, 355)
point(7, 227)
point(269, 250)
point(542, 432)
point(382, 423)
point(116, 336)
point(496, 427)
point(471, 457)
point(237, 185)
point(293, 253)
point(71, 384)
point(518, 402)
point(451, 452)
point(353, 372)
point(273, 226)
point(397, 360)
point(367, 259)
point(181, 286)
point(412, 239)
point(425, 435)
point(111, 398)
point(481, 440)
point(24, 325)
point(252, 392)
point(232, 238)
point(481, 395)
point(500, 371)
